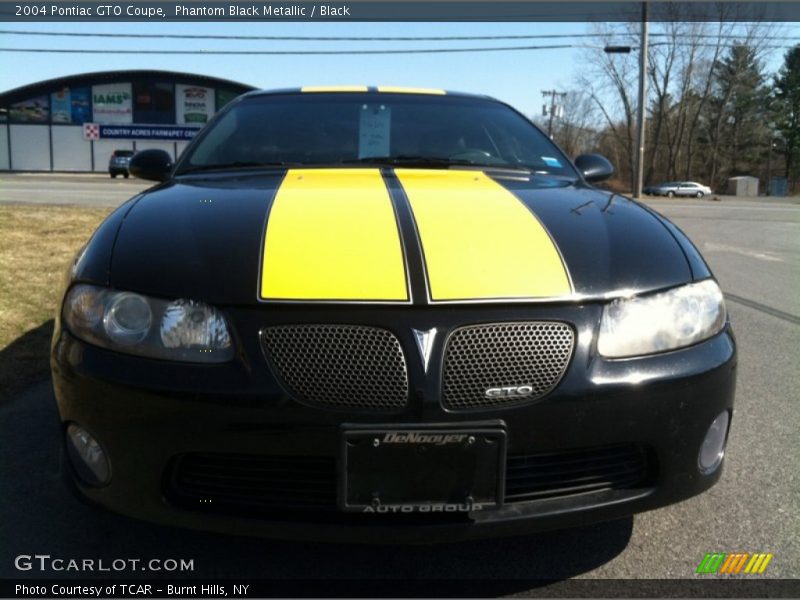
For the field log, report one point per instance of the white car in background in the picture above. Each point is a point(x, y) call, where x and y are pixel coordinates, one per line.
point(679, 188)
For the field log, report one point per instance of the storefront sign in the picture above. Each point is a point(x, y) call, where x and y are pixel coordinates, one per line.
point(61, 106)
point(193, 104)
point(81, 100)
point(94, 131)
point(112, 103)
point(71, 105)
point(35, 110)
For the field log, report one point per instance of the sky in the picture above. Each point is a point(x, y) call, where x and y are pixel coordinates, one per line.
point(515, 77)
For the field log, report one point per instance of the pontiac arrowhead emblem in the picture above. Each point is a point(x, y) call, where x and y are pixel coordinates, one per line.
point(424, 341)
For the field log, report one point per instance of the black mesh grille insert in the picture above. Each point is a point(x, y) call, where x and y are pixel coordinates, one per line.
point(339, 366)
point(532, 355)
point(221, 482)
point(571, 472)
point(294, 486)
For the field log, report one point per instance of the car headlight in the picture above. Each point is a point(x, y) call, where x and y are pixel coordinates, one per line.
point(659, 322)
point(183, 330)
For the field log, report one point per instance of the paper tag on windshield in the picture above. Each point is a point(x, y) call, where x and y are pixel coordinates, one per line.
point(551, 162)
point(374, 129)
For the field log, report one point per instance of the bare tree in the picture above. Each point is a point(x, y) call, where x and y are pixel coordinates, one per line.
point(688, 108)
point(620, 76)
point(575, 132)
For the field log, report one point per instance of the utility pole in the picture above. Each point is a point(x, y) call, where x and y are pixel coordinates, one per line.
point(637, 192)
point(640, 117)
point(552, 94)
point(769, 166)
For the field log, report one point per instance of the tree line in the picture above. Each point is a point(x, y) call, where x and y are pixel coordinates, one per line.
point(713, 109)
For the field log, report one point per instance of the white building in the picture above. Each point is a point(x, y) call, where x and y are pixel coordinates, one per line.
point(74, 123)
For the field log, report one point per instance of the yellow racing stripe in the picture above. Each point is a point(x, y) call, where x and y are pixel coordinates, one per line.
point(480, 241)
point(332, 235)
point(410, 90)
point(334, 88)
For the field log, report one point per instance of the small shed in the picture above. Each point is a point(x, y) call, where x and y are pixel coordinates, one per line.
point(743, 186)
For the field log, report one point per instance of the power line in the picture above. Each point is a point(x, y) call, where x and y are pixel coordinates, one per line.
point(303, 38)
point(342, 52)
point(355, 38)
point(299, 52)
point(769, 47)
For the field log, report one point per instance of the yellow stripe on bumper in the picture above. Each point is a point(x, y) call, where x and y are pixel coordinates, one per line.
point(332, 235)
point(480, 241)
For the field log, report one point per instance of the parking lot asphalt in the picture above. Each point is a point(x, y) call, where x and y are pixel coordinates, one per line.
point(753, 247)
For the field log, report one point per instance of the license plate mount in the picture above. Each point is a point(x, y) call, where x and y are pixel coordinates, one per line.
point(422, 469)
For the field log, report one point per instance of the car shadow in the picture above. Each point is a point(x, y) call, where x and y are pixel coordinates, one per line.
point(41, 516)
point(25, 360)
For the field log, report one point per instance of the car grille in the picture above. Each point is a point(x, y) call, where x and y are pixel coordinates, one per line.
point(220, 481)
point(339, 366)
point(558, 474)
point(248, 484)
point(499, 355)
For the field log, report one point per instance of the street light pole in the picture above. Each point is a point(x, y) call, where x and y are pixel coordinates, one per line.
point(637, 192)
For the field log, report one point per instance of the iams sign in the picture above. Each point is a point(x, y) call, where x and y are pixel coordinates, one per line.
point(120, 98)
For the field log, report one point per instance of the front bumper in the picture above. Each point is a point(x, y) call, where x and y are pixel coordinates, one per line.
point(148, 415)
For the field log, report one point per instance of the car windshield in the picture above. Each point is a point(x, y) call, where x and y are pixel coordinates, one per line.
point(346, 129)
point(123, 153)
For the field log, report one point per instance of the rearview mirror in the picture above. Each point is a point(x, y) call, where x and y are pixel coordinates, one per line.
point(594, 167)
point(155, 165)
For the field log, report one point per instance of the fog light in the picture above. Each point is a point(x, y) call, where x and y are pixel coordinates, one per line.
point(87, 456)
point(713, 449)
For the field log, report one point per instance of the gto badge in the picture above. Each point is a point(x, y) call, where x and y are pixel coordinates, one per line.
point(512, 391)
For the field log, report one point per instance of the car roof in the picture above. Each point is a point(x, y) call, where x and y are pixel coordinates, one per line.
point(364, 89)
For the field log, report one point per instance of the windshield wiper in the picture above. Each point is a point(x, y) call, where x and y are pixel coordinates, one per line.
point(236, 165)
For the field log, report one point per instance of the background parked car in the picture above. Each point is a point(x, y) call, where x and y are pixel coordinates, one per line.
point(679, 188)
point(118, 165)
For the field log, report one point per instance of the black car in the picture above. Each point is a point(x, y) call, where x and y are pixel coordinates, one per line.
point(386, 314)
point(118, 163)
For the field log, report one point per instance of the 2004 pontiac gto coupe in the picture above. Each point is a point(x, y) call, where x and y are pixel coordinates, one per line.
point(383, 313)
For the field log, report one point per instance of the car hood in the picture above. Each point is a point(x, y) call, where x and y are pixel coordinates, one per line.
point(394, 236)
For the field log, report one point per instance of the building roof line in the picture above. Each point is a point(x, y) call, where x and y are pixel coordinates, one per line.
point(78, 79)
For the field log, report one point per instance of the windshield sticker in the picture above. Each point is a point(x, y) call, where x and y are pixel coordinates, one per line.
point(374, 129)
point(551, 162)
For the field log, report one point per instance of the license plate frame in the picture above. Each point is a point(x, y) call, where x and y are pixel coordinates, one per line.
point(417, 469)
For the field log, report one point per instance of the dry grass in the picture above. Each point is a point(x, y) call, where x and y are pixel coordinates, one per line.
point(37, 244)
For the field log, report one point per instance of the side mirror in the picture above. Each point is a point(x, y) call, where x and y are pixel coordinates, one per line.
point(155, 165)
point(594, 167)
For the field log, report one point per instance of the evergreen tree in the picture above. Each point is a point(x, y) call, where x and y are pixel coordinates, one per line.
point(742, 98)
point(787, 109)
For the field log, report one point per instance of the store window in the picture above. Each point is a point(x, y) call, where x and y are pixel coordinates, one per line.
point(153, 102)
